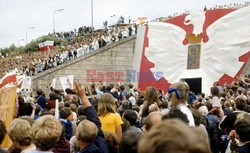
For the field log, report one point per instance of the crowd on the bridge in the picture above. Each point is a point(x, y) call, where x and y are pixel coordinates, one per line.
point(88, 29)
point(35, 62)
point(71, 34)
point(112, 118)
point(230, 6)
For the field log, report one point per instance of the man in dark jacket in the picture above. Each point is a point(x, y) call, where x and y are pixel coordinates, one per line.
point(228, 123)
point(65, 112)
point(89, 136)
point(41, 100)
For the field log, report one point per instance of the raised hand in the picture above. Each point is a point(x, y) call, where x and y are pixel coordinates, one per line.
point(80, 91)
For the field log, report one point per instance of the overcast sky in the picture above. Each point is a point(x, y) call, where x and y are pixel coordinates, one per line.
point(17, 15)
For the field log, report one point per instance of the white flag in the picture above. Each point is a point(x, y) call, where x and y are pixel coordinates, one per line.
point(53, 83)
point(57, 109)
point(67, 82)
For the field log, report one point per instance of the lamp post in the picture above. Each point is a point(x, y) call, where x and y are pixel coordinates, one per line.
point(27, 32)
point(92, 14)
point(54, 19)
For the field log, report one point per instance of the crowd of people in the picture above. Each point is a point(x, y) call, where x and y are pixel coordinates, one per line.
point(87, 29)
point(71, 34)
point(118, 118)
point(81, 41)
point(112, 118)
point(230, 6)
point(88, 41)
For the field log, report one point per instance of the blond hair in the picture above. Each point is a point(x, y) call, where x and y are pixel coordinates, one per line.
point(184, 91)
point(45, 132)
point(86, 131)
point(106, 105)
point(19, 131)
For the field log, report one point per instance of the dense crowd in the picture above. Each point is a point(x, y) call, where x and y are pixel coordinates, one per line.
point(112, 118)
point(118, 118)
point(88, 41)
point(87, 29)
point(230, 6)
point(71, 34)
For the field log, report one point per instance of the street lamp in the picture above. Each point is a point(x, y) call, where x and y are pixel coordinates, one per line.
point(54, 19)
point(26, 33)
point(92, 15)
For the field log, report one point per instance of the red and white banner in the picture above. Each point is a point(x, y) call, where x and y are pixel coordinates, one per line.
point(47, 45)
point(214, 41)
point(8, 78)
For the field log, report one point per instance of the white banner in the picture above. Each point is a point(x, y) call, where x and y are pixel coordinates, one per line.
point(46, 43)
point(67, 82)
point(26, 83)
point(53, 83)
point(57, 110)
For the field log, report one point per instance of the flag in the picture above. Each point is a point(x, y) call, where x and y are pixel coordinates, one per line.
point(53, 83)
point(8, 78)
point(140, 20)
point(57, 109)
point(47, 45)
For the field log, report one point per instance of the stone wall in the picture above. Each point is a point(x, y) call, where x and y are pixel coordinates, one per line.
point(115, 57)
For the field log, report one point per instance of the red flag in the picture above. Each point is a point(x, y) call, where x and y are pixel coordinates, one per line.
point(8, 78)
point(47, 45)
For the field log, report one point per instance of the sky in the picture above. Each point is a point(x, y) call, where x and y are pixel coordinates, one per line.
point(18, 15)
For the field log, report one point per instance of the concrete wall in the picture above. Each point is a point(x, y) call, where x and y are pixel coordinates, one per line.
point(115, 57)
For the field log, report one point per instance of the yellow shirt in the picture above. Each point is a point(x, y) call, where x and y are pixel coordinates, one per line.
point(110, 122)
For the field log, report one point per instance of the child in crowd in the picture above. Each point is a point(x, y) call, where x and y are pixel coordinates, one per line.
point(180, 95)
point(110, 119)
point(45, 132)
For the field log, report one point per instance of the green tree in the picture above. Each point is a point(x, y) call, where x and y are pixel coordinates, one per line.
point(32, 46)
point(4, 51)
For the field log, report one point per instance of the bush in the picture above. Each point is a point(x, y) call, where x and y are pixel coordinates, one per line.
point(32, 46)
point(4, 51)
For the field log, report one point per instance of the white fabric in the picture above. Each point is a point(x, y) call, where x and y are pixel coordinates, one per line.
point(74, 118)
point(132, 100)
point(53, 83)
point(229, 38)
point(189, 114)
point(57, 109)
point(46, 43)
point(29, 150)
point(80, 51)
point(132, 91)
point(67, 82)
point(99, 93)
